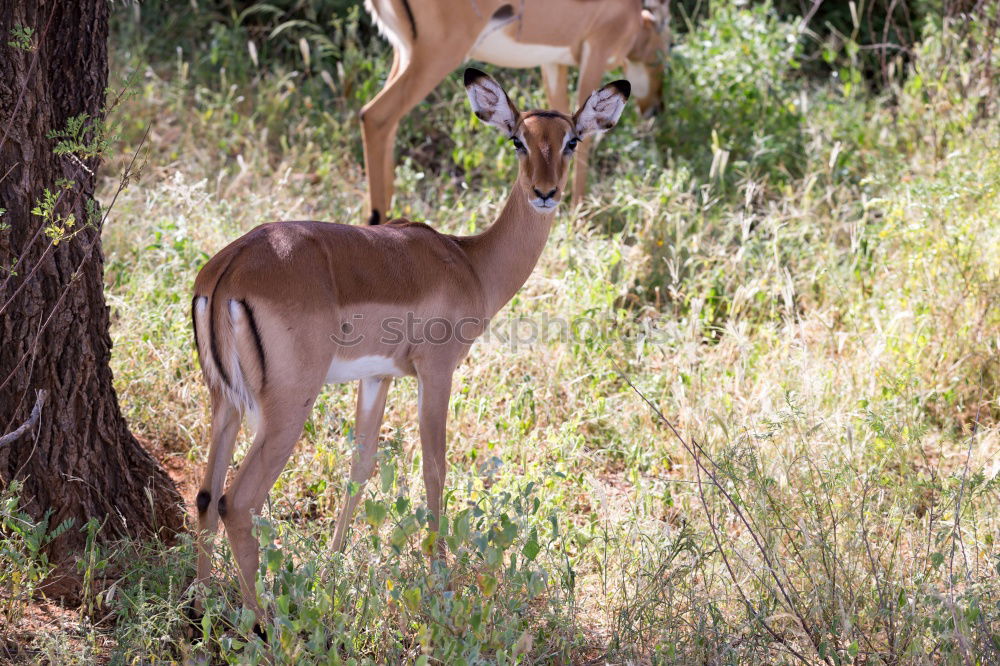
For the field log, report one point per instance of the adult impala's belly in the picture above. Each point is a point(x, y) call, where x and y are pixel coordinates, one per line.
point(497, 47)
point(346, 370)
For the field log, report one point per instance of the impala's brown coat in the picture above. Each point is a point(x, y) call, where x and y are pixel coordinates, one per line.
point(291, 305)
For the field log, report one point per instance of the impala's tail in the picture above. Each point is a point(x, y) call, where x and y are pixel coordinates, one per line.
point(388, 16)
point(231, 351)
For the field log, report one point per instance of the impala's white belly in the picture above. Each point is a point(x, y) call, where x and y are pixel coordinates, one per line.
point(496, 47)
point(348, 370)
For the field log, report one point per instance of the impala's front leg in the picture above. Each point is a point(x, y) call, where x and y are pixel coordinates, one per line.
point(371, 407)
point(591, 71)
point(434, 386)
point(556, 80)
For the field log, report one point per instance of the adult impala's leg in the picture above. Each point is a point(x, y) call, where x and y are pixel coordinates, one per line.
point(371, 407)
point(394, 70)
point(225, 426)
point(389, 166)
point(279, 431)
point(427, 67)
point(591, 72)
point(434, 386)
point(556, 80)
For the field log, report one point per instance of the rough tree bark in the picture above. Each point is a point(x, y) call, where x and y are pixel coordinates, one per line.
point(80, 460)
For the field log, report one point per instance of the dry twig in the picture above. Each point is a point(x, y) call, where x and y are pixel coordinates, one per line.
point(36, 412)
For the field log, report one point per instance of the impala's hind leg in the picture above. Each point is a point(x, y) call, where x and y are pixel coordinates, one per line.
point(225, 426)
point(371, 407)
point(279, 431)
point(427, 66)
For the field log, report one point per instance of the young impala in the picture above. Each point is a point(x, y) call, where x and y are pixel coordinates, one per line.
point(292, 305)
point(431, 38)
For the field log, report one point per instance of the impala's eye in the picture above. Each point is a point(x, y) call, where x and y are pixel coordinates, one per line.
point(571, 145)
point(518, 146)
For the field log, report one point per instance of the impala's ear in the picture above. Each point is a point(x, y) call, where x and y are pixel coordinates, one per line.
point(603, 108)
point(489, 101)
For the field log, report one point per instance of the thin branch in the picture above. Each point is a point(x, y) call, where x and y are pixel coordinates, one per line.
point(36, 412)
point(77, 193)
point(95, 242)
point(809, 15)
point(696, 451)
point(956, 539)
point(7, 173)
point(31, 69)
point(11, 272)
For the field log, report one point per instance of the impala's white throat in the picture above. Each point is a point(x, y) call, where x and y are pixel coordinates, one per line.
point(364, 367)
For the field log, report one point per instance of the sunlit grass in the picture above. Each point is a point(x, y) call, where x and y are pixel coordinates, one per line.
point(830, 342)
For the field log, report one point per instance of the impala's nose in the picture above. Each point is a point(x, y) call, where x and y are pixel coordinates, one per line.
point(545, 195)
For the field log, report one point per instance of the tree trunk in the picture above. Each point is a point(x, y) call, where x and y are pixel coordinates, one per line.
point(79, 460)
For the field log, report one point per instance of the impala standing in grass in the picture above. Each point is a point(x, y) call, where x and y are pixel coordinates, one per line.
point(293, 305)
point(430, 38)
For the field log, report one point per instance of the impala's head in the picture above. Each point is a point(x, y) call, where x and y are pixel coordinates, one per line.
point(643, 66)
point(544, 140)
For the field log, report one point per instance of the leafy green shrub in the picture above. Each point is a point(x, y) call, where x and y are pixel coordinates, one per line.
point(219, 33)
point(731, 109)
point(24, 565)
point(505, 582)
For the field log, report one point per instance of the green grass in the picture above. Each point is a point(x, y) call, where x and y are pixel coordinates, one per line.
point(823, 336)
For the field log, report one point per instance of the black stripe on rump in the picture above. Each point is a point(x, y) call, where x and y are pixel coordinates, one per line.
point(212, 337)
point(194, 323)
point(257, 341)
point(409, 15)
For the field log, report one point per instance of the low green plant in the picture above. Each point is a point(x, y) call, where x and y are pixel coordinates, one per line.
point(22, 38)
point(499, 585)
point(24, 563)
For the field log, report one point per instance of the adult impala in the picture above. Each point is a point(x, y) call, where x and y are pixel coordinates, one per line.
point(292, 305)
point(430, 38)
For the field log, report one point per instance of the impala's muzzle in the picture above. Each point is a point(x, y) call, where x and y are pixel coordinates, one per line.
point(544, 201)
